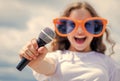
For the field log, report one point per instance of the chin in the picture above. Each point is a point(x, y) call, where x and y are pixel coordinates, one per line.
point(82, 49)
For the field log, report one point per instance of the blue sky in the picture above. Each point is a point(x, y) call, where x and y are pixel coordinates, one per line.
point(22, 20)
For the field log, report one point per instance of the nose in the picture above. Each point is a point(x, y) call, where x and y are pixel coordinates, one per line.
point(79, 30)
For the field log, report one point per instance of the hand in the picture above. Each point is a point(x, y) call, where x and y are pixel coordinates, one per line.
point(31, 52)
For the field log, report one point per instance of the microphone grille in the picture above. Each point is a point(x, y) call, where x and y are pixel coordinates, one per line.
point(47, 35)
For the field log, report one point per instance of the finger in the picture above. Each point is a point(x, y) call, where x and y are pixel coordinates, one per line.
point(31, 46)
point(34, 43)
point(27, 56)
point(28, 45)
point(29, 53)
point(23, 54)
point(33, 50)
point(25, 51)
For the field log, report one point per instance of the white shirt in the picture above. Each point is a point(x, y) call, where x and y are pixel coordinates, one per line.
point(79, 66)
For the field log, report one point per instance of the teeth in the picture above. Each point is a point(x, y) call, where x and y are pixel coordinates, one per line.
point(80, 40)
point(80, 37)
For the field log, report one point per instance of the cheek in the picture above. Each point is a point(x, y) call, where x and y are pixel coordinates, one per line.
point(89, 39)
point(70, 38)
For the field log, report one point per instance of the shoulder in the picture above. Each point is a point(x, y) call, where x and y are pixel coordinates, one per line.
point(103, 56)
point(108, 60)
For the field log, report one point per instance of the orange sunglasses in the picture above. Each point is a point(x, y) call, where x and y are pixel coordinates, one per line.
point(94, 26)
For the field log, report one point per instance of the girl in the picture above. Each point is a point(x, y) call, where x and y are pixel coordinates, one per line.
point(78, 51)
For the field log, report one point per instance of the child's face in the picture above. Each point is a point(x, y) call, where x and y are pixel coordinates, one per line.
point(79, 40)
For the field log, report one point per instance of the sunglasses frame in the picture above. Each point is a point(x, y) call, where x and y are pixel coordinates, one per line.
point(80, 23)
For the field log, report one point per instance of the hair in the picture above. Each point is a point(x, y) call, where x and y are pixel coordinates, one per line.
point(62, 43)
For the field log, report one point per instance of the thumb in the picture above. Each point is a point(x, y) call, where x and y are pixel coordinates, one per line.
point(42, 50)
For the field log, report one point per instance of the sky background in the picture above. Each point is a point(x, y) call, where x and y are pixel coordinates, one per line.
point(22, 20)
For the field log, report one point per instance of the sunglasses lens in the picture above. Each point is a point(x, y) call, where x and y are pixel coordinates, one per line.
point(65, 26)
point(94, 26)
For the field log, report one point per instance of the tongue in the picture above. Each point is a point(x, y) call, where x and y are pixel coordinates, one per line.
point(80, 40)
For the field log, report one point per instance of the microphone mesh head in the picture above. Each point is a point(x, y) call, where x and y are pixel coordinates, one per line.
point(47, 35)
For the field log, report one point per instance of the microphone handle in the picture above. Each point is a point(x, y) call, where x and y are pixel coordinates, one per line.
point(25, 61)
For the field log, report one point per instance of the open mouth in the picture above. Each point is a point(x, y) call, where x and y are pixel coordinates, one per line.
point(80, 40)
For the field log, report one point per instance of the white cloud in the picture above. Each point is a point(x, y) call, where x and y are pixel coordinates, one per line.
point(13, 14)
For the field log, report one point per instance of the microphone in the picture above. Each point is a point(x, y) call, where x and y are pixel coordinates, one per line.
point(46, 35)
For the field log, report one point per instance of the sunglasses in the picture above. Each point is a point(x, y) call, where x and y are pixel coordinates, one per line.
point(94, 26)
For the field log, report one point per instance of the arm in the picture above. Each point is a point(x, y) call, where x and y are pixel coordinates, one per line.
point(38, 60)
point(46, 66)
point(114, 69)
point(115, 74)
